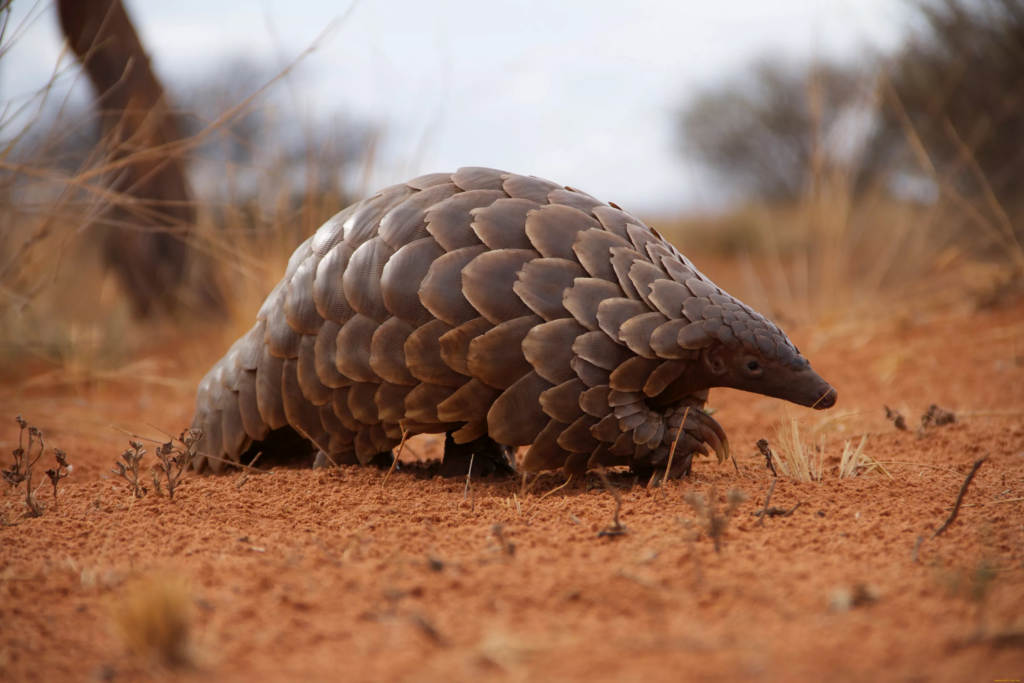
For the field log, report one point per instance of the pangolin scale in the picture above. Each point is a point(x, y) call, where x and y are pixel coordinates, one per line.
point(502, 310)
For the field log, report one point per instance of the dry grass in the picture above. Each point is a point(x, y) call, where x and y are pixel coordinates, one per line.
point(796, 457)
point(844, 254)
point(154, 617)
point(804, 456)
point(852, 458)
point(60, 310)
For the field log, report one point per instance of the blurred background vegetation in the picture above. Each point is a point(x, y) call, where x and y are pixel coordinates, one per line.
point(877, 176)
point(888, 186)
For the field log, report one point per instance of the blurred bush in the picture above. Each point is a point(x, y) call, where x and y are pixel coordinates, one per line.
point(263, 178)
point(947, 110)
point(959, 83)
point(870, 177)
point(762, 130)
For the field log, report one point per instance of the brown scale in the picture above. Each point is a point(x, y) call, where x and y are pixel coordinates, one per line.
point(542, 284)
point(562, 402)
point(545, 453)
point(497, 357)
point(497, 225)
point(455, 344)
point(364, 224)
point(489, 283)
point(502, 309)
point(450, 221)
point(362, 279)
point(407, 222)
point(584, 298)
point(548, 348)
point(403, 277)
point(313, 389)
point(598, 348)
point(552, 229)
point(578, 200)
point(592, 248)
point(528, 187)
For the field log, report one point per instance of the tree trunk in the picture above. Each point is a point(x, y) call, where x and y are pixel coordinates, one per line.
point(147, 244)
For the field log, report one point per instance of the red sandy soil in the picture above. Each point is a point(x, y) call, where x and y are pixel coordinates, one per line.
point(325, 575)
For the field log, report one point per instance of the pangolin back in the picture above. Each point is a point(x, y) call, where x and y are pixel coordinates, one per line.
point(480, 303)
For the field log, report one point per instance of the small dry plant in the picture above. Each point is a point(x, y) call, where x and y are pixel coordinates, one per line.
point(708, 516)
point(21, 471)
point(62, 470)
point(174, 461)
point(129, 469)
point(154, 617)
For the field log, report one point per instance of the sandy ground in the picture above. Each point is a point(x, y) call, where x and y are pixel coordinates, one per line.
point(325, 575)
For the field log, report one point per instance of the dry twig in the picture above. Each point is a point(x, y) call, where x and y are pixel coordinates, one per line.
point(469, 474)
point(617, 528)
point(767, 499)
point(896, 418)
point(774, 511)
point(556, 489)
point(394, 463)
point(428, 629)
point(960, 497)
point(244, 476)
point(917, 549)
point(672, 451)
point(762, 445)
point(935, 417)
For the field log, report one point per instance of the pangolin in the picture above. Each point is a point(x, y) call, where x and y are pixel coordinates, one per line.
point(501, 310)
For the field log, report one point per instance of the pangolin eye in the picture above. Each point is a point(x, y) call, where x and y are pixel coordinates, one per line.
point(753, 366)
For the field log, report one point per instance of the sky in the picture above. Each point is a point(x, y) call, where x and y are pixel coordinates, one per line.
point(582, 92)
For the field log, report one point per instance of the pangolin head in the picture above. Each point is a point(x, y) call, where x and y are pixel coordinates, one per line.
point(783, 373)
point(740, 349)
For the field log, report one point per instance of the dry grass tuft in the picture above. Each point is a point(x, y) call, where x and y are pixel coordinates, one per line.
point(154, 617)
point(803, 457)
point(262, 185)
point(796, 457)
point(851, 458)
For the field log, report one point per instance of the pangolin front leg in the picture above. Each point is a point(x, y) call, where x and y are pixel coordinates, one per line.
point(486, 456)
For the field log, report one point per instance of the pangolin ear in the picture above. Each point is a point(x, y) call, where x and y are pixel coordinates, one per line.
point(716, 359)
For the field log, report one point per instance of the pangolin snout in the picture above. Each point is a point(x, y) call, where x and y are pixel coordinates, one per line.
point(828, 400)
point(807, 388)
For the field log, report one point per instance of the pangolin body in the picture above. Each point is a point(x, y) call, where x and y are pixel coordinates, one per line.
point(493, 307)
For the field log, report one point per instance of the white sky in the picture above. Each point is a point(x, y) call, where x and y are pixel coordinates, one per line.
point(580, 92)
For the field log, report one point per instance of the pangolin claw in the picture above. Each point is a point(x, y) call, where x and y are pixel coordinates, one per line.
point(711, 423)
